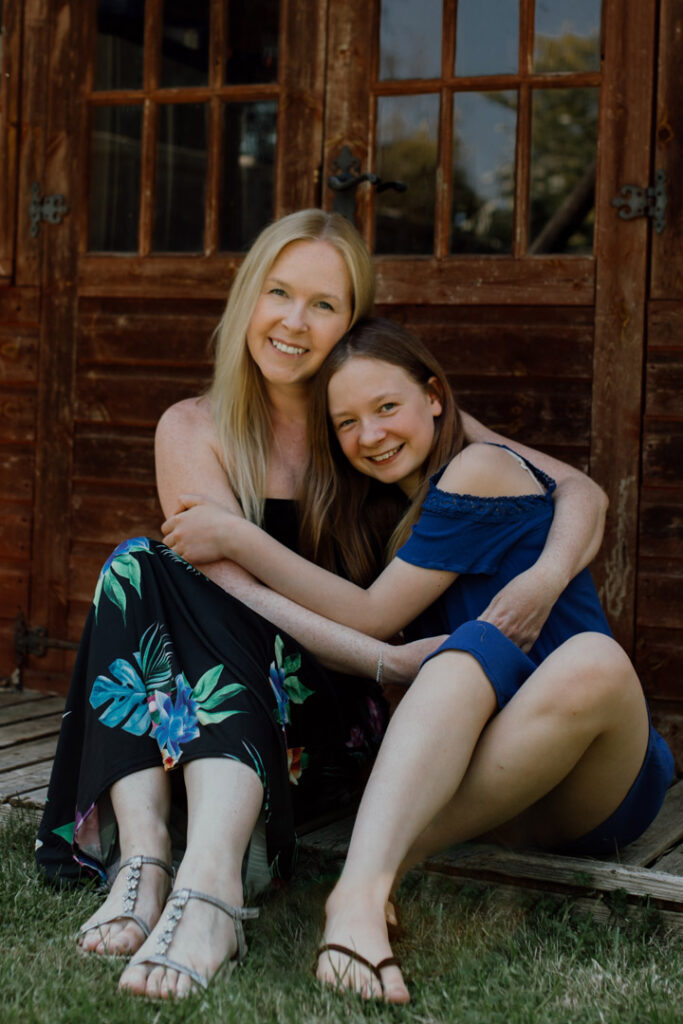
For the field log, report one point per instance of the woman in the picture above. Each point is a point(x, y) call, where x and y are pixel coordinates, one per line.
point(556, 745)
point(173, 671)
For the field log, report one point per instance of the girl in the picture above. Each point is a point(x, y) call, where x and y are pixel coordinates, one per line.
point(552, 748)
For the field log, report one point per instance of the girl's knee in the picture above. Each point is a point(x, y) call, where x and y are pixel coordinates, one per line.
point(595, 674)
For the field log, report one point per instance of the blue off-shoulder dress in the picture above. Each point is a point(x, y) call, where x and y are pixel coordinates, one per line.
point(489, 541)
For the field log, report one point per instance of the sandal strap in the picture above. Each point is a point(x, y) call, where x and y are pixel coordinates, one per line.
point(179, 899)
point(130, 896)
point(173, 965)
point(375, 969)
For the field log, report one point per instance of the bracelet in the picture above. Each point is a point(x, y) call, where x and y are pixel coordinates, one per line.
point(380, 665)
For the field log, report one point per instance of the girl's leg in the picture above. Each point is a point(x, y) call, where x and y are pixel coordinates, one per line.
point(224, 799)
point(141, 804)
point(583, 702)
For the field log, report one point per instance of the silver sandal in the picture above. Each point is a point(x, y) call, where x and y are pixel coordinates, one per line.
point(134, 865)
point(178, 900)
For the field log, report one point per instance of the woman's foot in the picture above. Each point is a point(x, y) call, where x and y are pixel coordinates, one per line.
point(358, 923)
point(139, 891)
point(204, 938)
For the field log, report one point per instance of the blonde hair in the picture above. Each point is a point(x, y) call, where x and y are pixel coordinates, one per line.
point(238, 396)
point(349, 524)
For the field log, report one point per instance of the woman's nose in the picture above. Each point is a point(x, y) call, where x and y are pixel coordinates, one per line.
point(295, 318)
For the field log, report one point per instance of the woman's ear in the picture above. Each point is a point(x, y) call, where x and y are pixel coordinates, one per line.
point(434, 391)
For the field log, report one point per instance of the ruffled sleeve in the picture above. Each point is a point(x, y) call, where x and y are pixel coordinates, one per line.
point(465, 533)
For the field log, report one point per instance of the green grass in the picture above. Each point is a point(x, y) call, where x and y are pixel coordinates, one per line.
point(473, 956)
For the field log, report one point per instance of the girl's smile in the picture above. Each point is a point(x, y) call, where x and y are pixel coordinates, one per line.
point(383, 419)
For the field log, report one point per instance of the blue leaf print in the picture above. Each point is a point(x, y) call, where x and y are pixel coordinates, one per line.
point(153, 657)
point(128, 696)
point(120, 561)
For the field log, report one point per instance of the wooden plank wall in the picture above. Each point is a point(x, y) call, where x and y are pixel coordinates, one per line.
point(19, 334)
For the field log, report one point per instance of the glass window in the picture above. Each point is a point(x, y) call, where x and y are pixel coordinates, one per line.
point(487, 37)
point(407, 145)
point(484, 132)
point(252, 41)
point(567, 36)
point(185, 43)
point(115, 149)
point(410, 39)
point(120, 51)
point(181, 178)
point(564, 130)
point(247, 201)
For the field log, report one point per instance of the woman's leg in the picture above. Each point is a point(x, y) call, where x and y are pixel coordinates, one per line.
point(224, 799)
point(141, 804)
point(578, 726)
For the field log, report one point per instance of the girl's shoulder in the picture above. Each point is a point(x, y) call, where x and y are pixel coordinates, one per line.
point(492, 471)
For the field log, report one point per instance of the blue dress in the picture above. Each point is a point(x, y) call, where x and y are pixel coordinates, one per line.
point(489, 541)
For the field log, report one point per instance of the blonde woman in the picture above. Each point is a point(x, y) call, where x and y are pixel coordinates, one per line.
point(207, 690)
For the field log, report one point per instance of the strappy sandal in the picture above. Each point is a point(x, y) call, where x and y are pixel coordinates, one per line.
point(178, 900)
point(134, 865)
point(375, 969)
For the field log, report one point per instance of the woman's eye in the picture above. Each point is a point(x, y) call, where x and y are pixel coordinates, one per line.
point(325, 305)
point(276, 291)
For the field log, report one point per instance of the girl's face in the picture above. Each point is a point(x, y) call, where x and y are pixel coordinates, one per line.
point(383, 419)
point(302, 311)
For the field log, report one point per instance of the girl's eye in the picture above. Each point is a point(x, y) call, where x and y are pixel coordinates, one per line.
point(342, 424)
point(387, 406)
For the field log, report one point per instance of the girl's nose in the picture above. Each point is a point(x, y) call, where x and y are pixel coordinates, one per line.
point(371, 433)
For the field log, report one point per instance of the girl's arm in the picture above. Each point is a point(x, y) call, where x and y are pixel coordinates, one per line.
point(397, 596)
point(187, 458)
point(522, 606)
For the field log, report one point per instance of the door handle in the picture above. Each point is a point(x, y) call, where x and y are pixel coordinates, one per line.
point(347, 179)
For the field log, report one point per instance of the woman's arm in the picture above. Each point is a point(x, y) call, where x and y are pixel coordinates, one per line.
point(521, 608)
point(187, 457)
point(398, 595)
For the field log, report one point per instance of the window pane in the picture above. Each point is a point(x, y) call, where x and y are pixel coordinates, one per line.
point(567, 35)
point(252, 30)
point(564, 132)
point(410, 39)
point(484, 131)
point(181, 178)
point(247, 203)
point(185, 43)
point(120, 44)
point(406, 150)
point(487, 37)
point(115, 148)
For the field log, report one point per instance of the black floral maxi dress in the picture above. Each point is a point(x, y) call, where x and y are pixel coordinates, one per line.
point(171, 668)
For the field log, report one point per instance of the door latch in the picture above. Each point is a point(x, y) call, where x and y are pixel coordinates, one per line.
point(347, 179)
point(50, 208)
point(634, 201)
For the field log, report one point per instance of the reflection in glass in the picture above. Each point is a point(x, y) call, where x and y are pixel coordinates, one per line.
point(185, 43)
point(252, 41)
point(115, 149)
point(410, 39)
point(120, 44)
point(567, 36)
point(483, 171)
point(487, 37)
point(406, 150)
point(564, 131)
point(181, 178)
point(248, 176)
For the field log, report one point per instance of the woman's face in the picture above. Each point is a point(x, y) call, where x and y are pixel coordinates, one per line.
point(383, 419)
point(301, 313)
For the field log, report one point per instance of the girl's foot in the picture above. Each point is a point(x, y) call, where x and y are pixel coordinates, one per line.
point(204, 938)
point(358, 923)
point(139, 891)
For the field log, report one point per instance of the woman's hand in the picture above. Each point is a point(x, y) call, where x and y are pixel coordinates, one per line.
point(521, 608)
point(402, 661)
point(200, 529)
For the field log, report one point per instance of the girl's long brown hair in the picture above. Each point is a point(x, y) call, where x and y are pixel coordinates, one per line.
point(351, 523)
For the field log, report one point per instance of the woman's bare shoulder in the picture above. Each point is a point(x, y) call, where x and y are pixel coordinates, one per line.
point(191, 416)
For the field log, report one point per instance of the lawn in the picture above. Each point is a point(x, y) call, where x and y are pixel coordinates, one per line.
point(471, 955)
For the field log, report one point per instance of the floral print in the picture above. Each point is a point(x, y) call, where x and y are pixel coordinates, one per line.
point(297, 760)
point(284, 682)
point(120, 563)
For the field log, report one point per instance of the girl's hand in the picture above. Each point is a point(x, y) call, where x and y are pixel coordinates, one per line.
point(200, 530)
point(521, 608)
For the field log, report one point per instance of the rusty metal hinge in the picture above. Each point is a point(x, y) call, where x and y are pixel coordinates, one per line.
point(49, 208)
point(644, 202)
point(33, 641)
